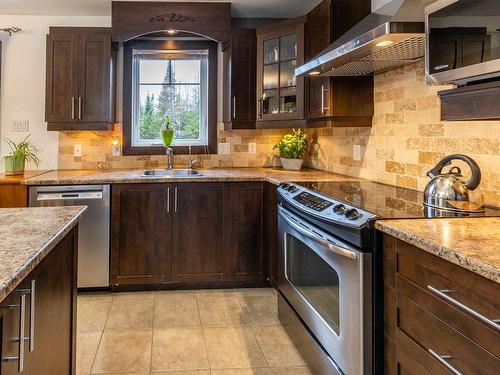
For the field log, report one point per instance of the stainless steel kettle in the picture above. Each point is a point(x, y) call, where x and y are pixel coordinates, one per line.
point(447, 191)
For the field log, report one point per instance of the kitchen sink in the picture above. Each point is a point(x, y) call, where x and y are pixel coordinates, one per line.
point(171, 173)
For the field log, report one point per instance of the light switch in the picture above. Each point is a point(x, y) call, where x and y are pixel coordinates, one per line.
point(77, 151)
point(20, 125)
point(224, 148)
point(252, 148)
point(356, 152)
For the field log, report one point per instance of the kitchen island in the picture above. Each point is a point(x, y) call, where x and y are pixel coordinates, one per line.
point(38, 259)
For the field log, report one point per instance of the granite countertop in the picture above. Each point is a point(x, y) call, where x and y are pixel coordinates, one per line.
point(272, 175)
point(471, 243)
point(28, 235)
point(13, 180)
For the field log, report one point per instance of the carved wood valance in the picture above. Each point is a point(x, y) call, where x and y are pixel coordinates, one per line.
point(132, 19)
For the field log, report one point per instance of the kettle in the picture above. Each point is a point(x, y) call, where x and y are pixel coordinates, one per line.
point(447, 191)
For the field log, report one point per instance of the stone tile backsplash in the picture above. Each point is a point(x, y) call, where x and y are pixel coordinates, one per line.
point(406, 140)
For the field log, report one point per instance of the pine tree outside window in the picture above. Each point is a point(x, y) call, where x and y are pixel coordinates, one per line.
point(170, 83)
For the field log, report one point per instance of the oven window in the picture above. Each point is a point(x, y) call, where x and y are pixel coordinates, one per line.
point(314, 279)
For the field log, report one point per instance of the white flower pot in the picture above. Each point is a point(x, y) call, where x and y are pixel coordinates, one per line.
point(292, 164)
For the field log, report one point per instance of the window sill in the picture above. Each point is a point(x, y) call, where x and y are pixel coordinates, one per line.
point(160, 150)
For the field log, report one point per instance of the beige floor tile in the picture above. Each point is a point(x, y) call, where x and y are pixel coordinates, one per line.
point(179, 349)
point(242, 371)
point(260, 310)
point(185, 372)
point(92, 312)
point(233, 347)
point(121, 351)
point(257, 292)
point(221, 311)
point(131, 311)
point(215, 292)
point(176, 310)
point(277, 346)
point(86, 348)
point(299, 370)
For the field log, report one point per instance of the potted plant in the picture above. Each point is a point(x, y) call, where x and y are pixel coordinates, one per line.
point(167, 133)
point(292, 147)
point(20, 153)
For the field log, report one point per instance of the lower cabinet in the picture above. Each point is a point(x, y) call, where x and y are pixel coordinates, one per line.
point(439, 318)
point(42, 312)
point(198, 232)
point(141, 234)
point(182, 234)
point(270, 237)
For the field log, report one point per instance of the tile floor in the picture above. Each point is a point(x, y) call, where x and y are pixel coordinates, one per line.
point(212, 332)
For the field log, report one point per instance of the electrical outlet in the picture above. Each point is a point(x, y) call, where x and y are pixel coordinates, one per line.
point(20, 125)
point(356, 152)
point(224, 148)
point(77, 151)
point(252, 148)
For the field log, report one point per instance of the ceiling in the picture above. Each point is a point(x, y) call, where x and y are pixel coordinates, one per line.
point(240, 8)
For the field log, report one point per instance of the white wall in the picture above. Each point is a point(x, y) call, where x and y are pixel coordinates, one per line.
point(22, 92)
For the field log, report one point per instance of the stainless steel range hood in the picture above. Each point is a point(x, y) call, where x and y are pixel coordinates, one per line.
point(392, 35)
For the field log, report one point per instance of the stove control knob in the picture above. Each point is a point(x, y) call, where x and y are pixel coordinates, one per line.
point(339, 209)
point(285, 186)
point(292, 189)
point(352, 214)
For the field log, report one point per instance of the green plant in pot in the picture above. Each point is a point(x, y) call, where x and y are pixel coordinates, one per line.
point(167, 133)
point(20, 153)
point(292, 147)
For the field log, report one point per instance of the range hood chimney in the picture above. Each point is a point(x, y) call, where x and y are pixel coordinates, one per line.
point(391, 36)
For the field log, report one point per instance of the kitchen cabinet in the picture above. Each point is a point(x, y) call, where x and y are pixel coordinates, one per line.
point(240, 71)
point(42, 311)
point(245, 247)
point(437, 315)
point(141, 234)
point(198, 232)
point(280, 94)
point(270, 232)
point(80, 79)
point(336, 101)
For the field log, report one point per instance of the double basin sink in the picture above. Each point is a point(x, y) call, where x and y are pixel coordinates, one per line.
point(171, 173)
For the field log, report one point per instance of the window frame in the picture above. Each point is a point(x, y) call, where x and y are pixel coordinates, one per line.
point(128, 87)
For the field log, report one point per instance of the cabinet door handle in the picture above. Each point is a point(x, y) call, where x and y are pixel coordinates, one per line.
point(168, 200)
point(79, 108)
point(443, 359)
point(234, 107)
point(443, 293)
point(72, 107)
point(22, 312)
point(323, 92)
point(32, 316)
point(175, 199)
point(260, 109)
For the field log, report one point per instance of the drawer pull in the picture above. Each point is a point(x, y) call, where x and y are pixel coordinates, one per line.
point(443, 293)
point(443, 359)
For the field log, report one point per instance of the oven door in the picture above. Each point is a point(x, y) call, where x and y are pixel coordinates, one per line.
point(328, 283)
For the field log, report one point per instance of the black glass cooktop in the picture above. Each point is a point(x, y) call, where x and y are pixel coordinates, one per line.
point(385, 201)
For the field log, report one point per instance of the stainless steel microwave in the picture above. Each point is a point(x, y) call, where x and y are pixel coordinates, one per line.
point(462, 41)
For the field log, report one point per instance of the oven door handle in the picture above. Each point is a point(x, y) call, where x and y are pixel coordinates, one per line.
point(332, 247)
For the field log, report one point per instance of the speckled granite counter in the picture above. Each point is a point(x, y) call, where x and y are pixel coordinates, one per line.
point(471, 243)
point(273, 175)
point(27, 236)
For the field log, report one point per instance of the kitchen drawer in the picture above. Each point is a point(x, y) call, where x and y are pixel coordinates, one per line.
point(423, 277)
point(440, 339)
point(415, 360)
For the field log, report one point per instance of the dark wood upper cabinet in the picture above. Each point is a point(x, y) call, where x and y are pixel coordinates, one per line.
point(198, 232)
point(141, 234)
point(240, 71)
point(280, 94)
point(80, 79)
point(245, 248)
point(336, 101)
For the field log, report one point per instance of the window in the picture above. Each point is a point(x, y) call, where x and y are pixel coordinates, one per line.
point(171, 83)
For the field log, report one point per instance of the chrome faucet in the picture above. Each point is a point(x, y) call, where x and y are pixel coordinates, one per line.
point(170, 158)
point(191, 163)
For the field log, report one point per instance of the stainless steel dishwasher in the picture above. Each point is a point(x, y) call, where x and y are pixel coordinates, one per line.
point(94, 227)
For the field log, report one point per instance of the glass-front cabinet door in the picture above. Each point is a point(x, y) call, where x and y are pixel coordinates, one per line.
point(280, 49)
